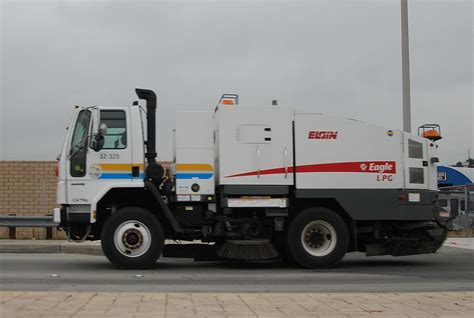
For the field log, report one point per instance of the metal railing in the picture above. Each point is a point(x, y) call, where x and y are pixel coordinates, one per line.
point(12, 222)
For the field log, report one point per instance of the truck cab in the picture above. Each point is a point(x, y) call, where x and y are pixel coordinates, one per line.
point(86, 171)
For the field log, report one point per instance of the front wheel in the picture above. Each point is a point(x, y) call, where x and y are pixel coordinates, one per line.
point(132, 238)
point(317, 238)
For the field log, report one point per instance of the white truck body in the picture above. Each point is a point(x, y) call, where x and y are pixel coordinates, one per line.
point(254, 146)
point(259, 181)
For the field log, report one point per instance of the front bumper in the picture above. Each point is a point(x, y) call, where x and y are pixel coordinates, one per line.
point(63, 216)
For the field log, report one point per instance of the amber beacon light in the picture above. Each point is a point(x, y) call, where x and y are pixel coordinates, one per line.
point(430, 131)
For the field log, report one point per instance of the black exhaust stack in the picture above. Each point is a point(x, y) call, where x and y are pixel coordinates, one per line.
point(154, 171)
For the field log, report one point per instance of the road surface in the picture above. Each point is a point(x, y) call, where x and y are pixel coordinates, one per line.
point(451, 269)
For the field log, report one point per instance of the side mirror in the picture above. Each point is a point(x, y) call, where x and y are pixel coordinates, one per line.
point(97, 142)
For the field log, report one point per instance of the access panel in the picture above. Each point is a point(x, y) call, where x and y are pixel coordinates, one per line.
point(254, 145)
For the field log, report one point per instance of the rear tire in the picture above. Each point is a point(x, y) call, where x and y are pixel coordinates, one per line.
point(317, 238)
point(132, 238)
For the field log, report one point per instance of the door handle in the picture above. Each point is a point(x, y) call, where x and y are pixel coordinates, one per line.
point(285, 152)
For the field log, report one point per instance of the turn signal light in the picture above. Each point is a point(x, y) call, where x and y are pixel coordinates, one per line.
point(56, 169)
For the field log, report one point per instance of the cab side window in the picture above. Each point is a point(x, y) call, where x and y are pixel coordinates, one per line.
point(116, 132)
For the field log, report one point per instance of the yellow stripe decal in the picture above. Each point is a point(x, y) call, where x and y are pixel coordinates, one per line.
point(119, 166)
point(194, 167)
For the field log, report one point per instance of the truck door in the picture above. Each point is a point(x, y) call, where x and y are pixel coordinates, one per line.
point(416, 162)
point(89, 171)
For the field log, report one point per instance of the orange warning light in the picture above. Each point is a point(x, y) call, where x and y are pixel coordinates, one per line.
point(430, 131)
point(229, 99)
point(431, 134)
point(227, 102)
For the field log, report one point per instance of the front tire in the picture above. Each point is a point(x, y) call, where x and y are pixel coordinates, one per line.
point(132, 238)
point(317, 238)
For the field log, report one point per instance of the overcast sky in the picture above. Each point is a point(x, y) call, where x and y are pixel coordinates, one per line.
point(336, 57)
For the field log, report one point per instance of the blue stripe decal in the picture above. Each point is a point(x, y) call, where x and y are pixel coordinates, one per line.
point(193, 175)
point(120, 176)
point(454, 177)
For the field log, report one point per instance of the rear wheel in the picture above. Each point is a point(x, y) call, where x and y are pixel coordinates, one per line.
point(132, 238)
point(317, 238)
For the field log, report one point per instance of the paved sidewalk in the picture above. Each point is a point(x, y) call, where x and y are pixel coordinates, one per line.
point(460, 242)
point(274, 305)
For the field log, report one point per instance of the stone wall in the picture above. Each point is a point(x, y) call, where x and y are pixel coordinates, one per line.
point(27, 188)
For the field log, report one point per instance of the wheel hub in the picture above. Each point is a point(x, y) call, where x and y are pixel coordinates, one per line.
point(315, 238)
point(318, 238)
point(132, 238)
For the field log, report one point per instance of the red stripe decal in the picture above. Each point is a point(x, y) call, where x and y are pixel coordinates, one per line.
point(388, 167)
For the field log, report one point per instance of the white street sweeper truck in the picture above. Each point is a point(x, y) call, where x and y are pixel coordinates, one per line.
point(247, 183)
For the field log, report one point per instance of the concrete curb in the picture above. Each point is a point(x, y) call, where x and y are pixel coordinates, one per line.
point(88, 247)
point(94, 248)
point(50, 246)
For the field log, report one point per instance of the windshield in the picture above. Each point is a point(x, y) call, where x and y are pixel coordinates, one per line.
point(78, 150)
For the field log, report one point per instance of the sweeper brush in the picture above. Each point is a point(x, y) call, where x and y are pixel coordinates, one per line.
point(250, 250)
